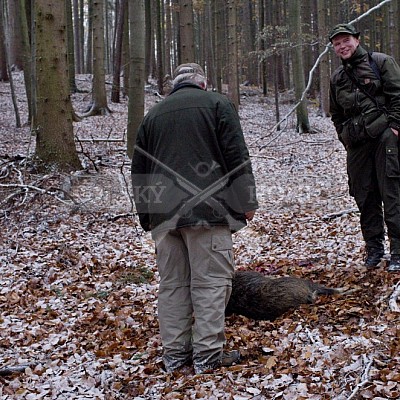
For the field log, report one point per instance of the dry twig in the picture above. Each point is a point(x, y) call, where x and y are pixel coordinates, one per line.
point(364, 377)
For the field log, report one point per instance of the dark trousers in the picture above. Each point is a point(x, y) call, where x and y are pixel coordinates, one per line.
point(374, 180)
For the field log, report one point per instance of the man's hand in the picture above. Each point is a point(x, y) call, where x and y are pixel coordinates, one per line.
point(249, 215)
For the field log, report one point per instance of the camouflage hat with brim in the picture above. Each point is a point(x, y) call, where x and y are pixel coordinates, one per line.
point(343, 29)
point(189, 71)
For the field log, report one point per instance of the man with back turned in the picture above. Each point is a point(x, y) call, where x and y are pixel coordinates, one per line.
point(193, 186)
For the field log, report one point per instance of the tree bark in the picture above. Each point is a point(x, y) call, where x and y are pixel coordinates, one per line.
point(303, 124)
point(3, 50)
point(137, 71)
point(53, 126)
point(186, 31)
point(99, 97)
point(115, 92)
point(233, 78)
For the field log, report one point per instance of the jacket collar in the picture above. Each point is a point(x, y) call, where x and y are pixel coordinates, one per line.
point(183, 85)
point(359, 56)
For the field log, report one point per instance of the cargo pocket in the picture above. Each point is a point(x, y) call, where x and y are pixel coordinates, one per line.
point(392, 162)
point(221, 259)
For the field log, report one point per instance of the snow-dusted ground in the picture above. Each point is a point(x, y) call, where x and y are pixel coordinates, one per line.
point(78, 283)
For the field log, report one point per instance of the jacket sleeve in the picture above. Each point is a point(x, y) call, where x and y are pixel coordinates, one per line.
point(236, 156)
point(390, 74)
point(139, 180)
point(336, 110)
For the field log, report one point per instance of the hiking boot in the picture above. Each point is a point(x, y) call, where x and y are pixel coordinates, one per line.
point(373, 257)
point(228, 358)
point(394, 263)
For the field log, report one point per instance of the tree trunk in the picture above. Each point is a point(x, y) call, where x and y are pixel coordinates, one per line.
point(262, 48)
point(186, 31)
point(233, 78)
point(168, 40)
point(303, 124)
point(14, 37)
point(115, 92)
point(137, 71)
point(125, 53)
point(77, 36)
point(149, 39)
point(324, 64)
point(159, 39)
point(3, 49)
point(70, 46)
point(53, 123)
point(99, 97)
point(89, 47)
point(220, 40)
point(26, 56)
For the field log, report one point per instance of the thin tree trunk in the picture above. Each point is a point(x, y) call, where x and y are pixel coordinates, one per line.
point(324, 66)
point(3, 50)
point(70, 46)
point(115, 92)
point(160, 67)
point(233, 83)
point(186, 31)
point(26, 56)
point(77, 36)
point(99, 97)
point(303, 124)
point(137, 71)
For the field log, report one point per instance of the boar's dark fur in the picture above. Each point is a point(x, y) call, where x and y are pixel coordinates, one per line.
point(259, 297)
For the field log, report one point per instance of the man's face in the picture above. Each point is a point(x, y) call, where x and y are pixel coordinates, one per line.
point(345, 45)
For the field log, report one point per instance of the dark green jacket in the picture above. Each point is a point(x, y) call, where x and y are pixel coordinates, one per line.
point(347, 101)
point(189, 142)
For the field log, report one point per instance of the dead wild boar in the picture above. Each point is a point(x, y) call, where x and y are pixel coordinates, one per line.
point(259, 297)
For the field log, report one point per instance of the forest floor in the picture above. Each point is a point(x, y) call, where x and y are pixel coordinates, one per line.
point(78, 281)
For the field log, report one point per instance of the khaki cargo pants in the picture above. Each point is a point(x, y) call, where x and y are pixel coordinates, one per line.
point(196, 268)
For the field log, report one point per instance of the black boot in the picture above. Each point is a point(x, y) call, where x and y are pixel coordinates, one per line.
point(373, 257)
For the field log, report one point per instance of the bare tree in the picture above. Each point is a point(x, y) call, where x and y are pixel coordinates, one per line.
point(186, 34)
point(233, 78)
point(119, 34)
point(3, 51)
point(26, 55)
point(324, 65)
point(303, 124)
point(160, 48)
point(53, 121)
point(99, 96)
point(137, 71)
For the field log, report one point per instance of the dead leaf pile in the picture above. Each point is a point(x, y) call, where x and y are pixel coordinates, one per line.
point(78, 280)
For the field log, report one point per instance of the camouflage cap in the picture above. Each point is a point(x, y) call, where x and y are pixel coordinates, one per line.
point(343, 28)
point(187, 72)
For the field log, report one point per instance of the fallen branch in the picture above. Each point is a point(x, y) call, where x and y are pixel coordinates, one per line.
point(24, 188)
point(339, 214)
point(114, 218)
point(394, 307)
point(100, 140)
point(16, 369)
